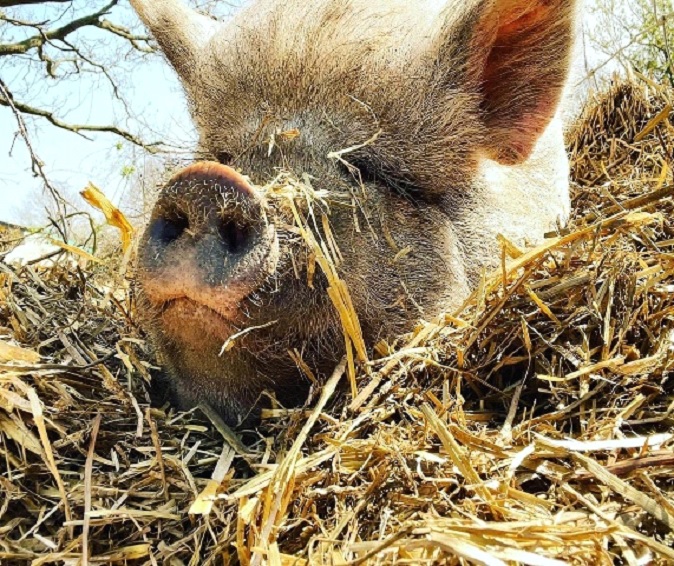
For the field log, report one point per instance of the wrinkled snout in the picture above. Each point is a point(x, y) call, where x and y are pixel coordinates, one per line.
point(208, 241)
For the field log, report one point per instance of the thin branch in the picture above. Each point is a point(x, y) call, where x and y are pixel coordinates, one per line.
point(36, 162)
point(22, 23)
point(77, 128)
point(101, 69)
point(43, 38)
point(11, 3)
point(40, 39)
point(126, 34)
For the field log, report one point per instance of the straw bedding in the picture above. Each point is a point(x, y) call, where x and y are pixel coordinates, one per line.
point(533, 426)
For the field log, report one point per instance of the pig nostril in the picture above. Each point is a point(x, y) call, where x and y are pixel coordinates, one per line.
point(167, 230)
point(234, 237)
point(224, 157)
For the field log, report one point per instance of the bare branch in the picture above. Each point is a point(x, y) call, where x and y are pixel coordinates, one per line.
point(50, 47)
point(77, 128)
point(11, 3)
point(36, 162)
point(61, 33)
point(126, 34)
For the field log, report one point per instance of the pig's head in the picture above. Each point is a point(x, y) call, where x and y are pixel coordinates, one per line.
point(447, 111)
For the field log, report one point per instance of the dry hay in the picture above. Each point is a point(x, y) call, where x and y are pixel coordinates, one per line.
point(535, 426)
point(10, 236)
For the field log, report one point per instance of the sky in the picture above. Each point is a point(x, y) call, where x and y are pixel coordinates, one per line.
point(157, 110)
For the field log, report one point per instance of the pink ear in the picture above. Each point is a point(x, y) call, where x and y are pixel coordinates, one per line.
point(519, 62)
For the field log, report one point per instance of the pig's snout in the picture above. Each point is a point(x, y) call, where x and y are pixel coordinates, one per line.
point(183, 208)
point(208, 241)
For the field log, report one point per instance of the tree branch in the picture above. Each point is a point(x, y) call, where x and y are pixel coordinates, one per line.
point(36, 162)
point(78, 128)
point(126, 34)
point(40, 39)
point(10, 3)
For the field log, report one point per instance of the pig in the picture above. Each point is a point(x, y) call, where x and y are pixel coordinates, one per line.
point(450, 111)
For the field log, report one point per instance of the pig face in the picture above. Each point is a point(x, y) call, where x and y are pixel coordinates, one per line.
point(428, 127)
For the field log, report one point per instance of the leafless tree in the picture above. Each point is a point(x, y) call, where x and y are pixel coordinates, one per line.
point(635, 34)
point(46, 43)
point(47, 46)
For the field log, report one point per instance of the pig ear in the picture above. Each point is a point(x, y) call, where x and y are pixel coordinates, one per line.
point(181, 32)
point(516, 55)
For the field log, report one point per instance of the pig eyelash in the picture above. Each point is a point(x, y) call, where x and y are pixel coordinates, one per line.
point(372, 174)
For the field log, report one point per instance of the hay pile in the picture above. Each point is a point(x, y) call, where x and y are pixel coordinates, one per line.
point(10, 236)
point(535, 426)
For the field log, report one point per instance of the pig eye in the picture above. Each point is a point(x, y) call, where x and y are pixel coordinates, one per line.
point(167, 230)
point(370, 173)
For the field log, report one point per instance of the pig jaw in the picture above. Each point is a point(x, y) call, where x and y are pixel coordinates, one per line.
point(190, 340)
point(238, 383)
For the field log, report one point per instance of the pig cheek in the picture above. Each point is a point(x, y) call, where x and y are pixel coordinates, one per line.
point(421, 276)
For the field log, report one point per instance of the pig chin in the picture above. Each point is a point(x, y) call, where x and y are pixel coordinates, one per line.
point(189, 339)
point(194, 325)
point(189, 342)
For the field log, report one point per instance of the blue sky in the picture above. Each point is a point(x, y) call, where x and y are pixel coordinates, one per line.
point(71, 161)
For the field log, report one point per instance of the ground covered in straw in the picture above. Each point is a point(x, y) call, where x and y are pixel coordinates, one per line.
point(534, 426)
